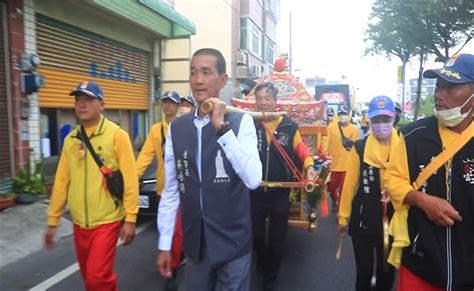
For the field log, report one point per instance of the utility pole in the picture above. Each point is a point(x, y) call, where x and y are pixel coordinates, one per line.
point(404, 65)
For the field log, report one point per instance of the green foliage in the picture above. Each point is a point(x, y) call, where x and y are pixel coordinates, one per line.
point(404, 122)
point(405, 28)
point(426, 106)
point(390, 31)
point(315, 196)
point(27, 183)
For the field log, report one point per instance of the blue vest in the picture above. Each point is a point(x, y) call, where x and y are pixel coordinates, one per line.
point(217, 208)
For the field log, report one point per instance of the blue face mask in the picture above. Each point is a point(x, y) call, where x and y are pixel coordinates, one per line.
point(382, 130)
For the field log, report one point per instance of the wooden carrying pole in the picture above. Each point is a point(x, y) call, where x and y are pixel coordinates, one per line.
point(308, 186)
point(339, 247)
point(208, 106)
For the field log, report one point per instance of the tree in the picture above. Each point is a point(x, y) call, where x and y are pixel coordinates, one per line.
point(427, 105)
point(391, 33)
point(419, 27)
point(449, 23)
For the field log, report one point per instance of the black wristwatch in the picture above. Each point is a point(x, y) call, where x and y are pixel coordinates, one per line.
point(222, 131)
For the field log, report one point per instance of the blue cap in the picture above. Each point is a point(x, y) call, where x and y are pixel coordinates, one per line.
point(342, 110)
point(88, 88)
point(381, 105)
point(172, 95)
point(189, 99)
point(458, 69)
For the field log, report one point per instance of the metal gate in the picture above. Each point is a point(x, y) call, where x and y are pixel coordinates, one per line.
point(5, 154)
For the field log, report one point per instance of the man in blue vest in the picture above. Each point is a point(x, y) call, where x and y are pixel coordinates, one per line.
point(211, 161)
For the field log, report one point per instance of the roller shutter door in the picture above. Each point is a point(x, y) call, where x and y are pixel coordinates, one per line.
point(5, 155)
point(70, 55)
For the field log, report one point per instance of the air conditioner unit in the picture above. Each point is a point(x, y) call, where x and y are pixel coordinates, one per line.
point(241, 72)
point(255, 71)
point(242, 58)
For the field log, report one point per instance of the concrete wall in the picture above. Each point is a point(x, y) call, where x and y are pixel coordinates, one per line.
point(16, 27)
point(213, 20)
point(253, 9)
point(270, 27)
point(34, 115)
point(236, 11)
point(175, 66)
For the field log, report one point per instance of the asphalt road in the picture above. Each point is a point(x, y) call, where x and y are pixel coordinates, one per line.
point(309, 264)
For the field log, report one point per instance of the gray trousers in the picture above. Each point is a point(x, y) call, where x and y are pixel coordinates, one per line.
point(229, 276)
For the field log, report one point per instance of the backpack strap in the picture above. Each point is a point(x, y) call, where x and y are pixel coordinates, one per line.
point(360, 147)
point(163, 140)
point(444, 156)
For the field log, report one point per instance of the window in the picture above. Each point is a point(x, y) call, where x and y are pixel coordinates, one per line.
point(269, 50)
point(272, 8)
point(251, 38)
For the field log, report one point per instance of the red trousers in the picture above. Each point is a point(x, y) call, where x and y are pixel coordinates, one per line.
point(335, 185)
point(95, 251)
point(407, 281)
point(177, 244)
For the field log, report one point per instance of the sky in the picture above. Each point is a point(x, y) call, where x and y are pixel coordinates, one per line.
point(327, 41)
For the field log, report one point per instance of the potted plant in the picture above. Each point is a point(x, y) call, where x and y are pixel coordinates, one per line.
point(6, 200)
point(28, 186)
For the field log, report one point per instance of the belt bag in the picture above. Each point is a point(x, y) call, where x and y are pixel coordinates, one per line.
point(114, 179)
point(346, 143)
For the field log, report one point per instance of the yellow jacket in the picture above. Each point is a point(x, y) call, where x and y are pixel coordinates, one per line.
point(364, 121)
point(81, 185)
point(154, 147)
point(376, 155)
point(335, 148)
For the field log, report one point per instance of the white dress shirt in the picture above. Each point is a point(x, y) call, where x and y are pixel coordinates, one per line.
point(240, 150)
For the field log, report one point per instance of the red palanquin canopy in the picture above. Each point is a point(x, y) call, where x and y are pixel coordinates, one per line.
point(292, 98)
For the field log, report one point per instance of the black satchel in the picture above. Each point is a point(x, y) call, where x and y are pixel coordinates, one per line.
point(346, 143)
point(114, 179)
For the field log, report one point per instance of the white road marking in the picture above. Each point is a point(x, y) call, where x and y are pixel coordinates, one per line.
point(61, 275)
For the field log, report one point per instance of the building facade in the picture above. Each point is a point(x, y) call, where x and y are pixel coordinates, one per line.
point(258, 22)
point(243, 30)
point(133, 49)
point(428, 87)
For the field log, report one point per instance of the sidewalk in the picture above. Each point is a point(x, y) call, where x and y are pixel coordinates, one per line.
point(22, 228)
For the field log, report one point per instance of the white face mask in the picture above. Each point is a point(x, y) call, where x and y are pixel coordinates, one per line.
point(453, 116)
point(343, 118)
point(183, 110)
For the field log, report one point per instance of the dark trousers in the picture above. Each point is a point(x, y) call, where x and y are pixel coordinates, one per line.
point(364, 257)
point(269, 252)
point(232, 275)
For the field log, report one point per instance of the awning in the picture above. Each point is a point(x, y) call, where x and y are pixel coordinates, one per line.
point(181, 25)
point(152, 15)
